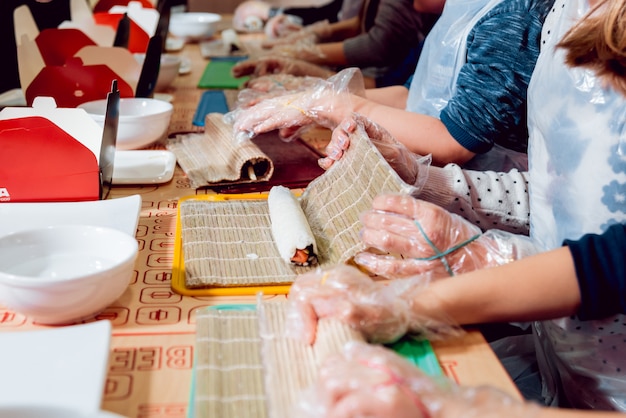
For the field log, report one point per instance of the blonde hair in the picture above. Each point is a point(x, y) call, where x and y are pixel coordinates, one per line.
point(598, 42)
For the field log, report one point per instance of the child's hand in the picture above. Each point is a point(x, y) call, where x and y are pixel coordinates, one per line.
point(285, 111)
point(275, 64)
point(266, 87)
point(325, 104)
point(418, 237)
point(376, 310)
point(372, 381)
point(285, 83)
point(311, 34)
point(403, 161)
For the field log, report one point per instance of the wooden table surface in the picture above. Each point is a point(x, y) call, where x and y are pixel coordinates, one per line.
point(150, 364)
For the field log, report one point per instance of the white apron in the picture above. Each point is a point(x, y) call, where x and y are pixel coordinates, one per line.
point(577, 159)
point(434, 81)
point(444, 53)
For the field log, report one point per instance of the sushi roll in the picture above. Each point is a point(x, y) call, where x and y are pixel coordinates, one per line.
point(290, 228)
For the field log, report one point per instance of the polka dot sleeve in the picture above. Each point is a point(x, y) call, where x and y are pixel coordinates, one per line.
point(488, 199)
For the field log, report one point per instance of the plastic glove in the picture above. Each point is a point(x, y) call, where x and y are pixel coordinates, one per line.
point(282, 25)
point(304, 49)
point(269, 65)
point(326, 104)
point(286, 83)
point(250, 16)
point(381, 311)
point(403, 161)
point(372, 381)
point(266, 87)
point(314, 33)
point(418, 237)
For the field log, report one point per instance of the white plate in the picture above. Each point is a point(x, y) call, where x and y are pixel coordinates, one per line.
point(121, 213)
point(61, 367)
point(143, 167)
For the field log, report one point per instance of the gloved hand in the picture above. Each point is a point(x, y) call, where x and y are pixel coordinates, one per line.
point(271, 64)
point(305, 49)
point(325, 105)
point(381, 311)
point(266, 87)
point(372, 381)
point(286, 83)
point(282, 25)
point(314, 33)
point(251, 15)
point(403, 161)
point(410, 236)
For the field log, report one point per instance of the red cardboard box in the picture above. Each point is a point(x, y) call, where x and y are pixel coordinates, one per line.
point(48, 159)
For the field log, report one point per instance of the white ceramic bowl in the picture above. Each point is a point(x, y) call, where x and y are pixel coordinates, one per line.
point(168, 70)
point(193, 26)
point(62, 274)
point(142, 121)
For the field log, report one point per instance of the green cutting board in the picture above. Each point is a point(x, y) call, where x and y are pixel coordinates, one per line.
point(217, 75)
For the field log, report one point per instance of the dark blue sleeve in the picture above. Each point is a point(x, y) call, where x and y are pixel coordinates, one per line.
point(489, 105)
point(408, 82)
point(600, 264)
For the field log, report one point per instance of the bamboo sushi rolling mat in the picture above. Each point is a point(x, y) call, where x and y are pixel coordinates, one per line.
point(229, 243)
point(247, 366)
point(213, 157)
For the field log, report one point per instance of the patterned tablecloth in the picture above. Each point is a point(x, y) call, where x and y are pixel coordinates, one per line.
point(150, 364)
